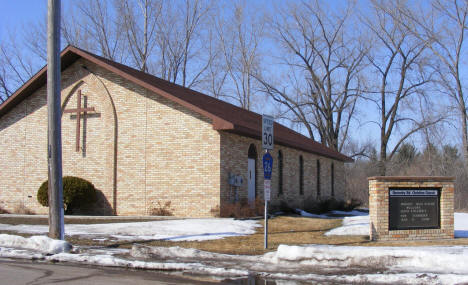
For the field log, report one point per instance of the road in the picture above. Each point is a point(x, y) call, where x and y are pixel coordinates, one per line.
point(16, 272)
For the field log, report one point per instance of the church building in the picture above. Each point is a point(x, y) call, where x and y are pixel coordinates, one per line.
point(143, 141)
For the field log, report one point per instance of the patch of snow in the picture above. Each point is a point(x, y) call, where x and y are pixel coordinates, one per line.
point(112, 261)
point(359, 225)
point(410, 259)
point(385, 278)
point(350, 213)
point(39, 243)
point(176, 252)
point(402, 265)
point(173, 230)
point(310, 215)
point(461, 225)
point(331, 214)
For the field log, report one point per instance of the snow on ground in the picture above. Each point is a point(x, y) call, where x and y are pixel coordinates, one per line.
point(392, 265)
point(359, 225)
point(332, 214)
point(173, 230)
point(39, 243)
point(453, 259)
point(309, 215)
point(319, 263)
point(461, 225)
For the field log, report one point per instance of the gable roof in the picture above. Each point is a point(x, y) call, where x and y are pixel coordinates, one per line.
point(224, 116)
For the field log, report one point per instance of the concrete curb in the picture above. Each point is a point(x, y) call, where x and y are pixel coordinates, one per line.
point(67, 217)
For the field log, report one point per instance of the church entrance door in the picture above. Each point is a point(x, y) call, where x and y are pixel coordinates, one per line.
point(251, 181)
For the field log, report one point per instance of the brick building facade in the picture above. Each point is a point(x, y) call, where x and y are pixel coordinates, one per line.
point(145, 141)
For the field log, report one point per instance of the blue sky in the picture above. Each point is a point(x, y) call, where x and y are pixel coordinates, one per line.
point(16, 15)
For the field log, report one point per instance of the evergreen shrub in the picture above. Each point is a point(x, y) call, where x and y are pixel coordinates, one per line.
point(77, 193)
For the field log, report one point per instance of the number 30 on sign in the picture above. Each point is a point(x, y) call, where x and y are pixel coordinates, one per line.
point(267, 131)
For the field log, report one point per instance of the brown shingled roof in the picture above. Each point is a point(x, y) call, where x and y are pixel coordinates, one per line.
point(224, 116)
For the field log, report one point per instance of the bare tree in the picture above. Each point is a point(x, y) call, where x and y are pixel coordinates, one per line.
point(181, 42)
point(35, 39)
point(239, 41)
point(94, 28)
point(323, 60)
point(140, 22)
point(5, 89)
point(443, 31)
point(216, 72)
point(400, 66)
point(15, 68)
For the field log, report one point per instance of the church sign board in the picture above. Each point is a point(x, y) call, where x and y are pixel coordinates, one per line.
point(414, 208)
point(411, 207)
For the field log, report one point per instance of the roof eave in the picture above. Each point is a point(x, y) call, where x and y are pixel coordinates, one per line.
point(240, 130)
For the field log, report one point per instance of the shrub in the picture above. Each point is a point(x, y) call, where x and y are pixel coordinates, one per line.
point(77, 193)
point(22, 209)
point(3, 211)
point(215, 212)
point(331, 204)
point(162, 209)
point(242, 209)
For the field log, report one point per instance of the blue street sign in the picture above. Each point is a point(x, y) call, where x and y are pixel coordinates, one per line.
point(267, 165)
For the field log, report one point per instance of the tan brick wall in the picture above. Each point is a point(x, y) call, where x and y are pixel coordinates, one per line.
point(234, 159)
point(153, 149)
point(140, 149)
point(379, 208)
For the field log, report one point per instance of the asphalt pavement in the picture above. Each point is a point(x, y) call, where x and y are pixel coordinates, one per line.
point(15, 272)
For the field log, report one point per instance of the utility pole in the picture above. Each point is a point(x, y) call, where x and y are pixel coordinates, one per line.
point(54, 150)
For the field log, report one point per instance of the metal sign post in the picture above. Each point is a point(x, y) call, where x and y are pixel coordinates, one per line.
point(267, 167)
point(267, 143)
point(267, 132)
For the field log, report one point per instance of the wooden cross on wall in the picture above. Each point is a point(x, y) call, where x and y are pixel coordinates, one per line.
point(78, 112)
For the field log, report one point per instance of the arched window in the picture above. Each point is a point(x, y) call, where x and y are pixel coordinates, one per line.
point(332, 173)
point(318, 178)
point(301, 175)
point(252, 151)
point(280, 172)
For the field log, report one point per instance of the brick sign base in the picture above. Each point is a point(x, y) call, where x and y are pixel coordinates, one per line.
point(422, 208)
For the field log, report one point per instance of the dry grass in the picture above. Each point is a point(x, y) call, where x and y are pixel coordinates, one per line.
point(281, 230)
point(291, 230)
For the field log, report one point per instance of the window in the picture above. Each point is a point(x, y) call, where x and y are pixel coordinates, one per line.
point(252, 151)
point(280, 172)
point(332, 180)
point(301, 175)
point(318, 178)
point(252, 157)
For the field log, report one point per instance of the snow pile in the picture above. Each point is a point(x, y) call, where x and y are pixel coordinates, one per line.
point(329, 264)
point(410, 259)
point(39, 243)
point(309, 215)
point(176, 252)
point(360, 226)
point(350, 213)
point(461, 225)
point(381, 278)
point(332, 214)
point(173, 230)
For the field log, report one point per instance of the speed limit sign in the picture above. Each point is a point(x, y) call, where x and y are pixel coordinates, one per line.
point(267, 131)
